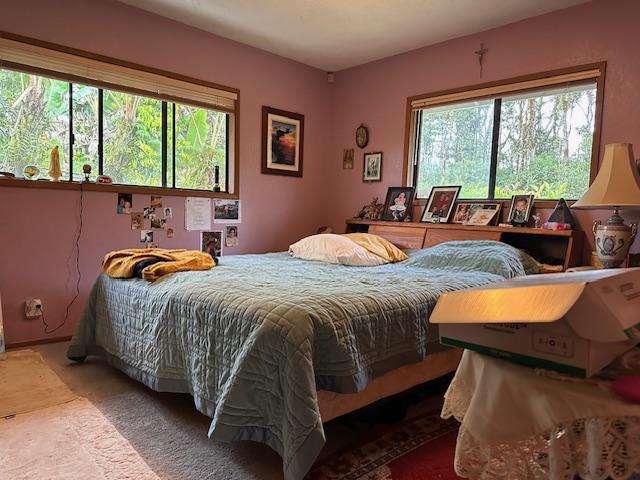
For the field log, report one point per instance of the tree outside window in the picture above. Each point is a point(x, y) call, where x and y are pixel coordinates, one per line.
point(544, 145)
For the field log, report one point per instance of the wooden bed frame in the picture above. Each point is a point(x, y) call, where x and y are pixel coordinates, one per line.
point(564, 246)
point(333, 405)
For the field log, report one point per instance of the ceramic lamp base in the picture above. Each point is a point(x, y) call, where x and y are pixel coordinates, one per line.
point(613, 240)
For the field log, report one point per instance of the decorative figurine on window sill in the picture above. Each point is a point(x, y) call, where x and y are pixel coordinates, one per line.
point(31, 172)
point(55, 172)
point(86, 169)
point(104, 179)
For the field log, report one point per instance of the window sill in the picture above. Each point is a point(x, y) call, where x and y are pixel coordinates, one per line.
point(98, 187)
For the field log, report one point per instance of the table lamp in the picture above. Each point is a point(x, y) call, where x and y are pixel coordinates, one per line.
point(617, 186)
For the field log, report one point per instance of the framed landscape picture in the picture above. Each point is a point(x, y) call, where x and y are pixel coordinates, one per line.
point(372, 170)
point(440, 204)
point(465, 211)
point(282, 142)
point(397, 207)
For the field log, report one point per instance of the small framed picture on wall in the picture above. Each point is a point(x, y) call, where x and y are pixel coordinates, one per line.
point(347, 159)
point(372, 169)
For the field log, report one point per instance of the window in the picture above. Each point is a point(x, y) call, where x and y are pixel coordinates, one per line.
point(455, 148)
point(127, 144)
point(545, 143)
point(132, 139)
point(86, 137)
point(537, 142)
point(154, 129)
point(34, 117)
point(201, 145)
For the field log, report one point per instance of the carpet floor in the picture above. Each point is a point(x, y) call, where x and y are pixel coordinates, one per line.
point(54, 434)
point(171, 436)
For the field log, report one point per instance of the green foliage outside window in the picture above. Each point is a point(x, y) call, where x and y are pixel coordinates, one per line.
point(200, 146)
point(85, 129)
point(132, 139)
point(455, 149)
point(544, 145)
point(34, 117)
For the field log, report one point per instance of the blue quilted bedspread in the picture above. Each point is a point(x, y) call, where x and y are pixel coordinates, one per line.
point(254, 338)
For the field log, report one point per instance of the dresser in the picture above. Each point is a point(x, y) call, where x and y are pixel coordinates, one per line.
point(563, 248)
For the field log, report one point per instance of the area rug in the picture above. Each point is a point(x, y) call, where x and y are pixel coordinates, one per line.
point(69, 439)
point(28, 384)
point(419, 449)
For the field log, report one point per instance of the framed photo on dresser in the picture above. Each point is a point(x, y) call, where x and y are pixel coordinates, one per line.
point(397, 207)
point(520, 210)
point(465, 213)
point(440, 204)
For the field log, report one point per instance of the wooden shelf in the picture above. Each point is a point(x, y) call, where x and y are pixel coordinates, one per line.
point(563, 247)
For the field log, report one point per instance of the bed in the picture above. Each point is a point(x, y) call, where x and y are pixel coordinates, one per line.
point(259, 340)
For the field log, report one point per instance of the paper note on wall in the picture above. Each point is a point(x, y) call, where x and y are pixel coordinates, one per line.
point(197, 213)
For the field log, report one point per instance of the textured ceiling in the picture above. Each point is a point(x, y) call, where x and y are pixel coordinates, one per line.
point(337, 34)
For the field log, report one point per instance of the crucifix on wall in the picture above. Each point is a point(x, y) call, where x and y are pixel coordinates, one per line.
point(481, 53)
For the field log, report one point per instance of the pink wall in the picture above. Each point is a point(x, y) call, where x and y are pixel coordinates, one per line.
point(37, 226)
point(37, 260)
point(376, 93)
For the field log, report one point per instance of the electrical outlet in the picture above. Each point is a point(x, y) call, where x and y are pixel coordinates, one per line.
point(33, 308)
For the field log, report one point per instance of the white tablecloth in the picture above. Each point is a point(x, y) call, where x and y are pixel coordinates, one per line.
point(519, 423)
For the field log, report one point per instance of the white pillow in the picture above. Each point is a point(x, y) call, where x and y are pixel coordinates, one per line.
point(331, 248)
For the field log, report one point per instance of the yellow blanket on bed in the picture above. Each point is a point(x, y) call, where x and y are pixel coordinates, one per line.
point(378, 246)
point(121, 263)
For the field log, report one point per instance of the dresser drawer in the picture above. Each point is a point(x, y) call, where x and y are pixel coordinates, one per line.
point(436, 236)
point(400, 236)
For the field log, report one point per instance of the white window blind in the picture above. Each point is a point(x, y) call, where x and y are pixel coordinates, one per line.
point(500, 90)
point(14, 54)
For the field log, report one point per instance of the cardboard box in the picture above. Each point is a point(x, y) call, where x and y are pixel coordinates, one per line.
point(573, 323)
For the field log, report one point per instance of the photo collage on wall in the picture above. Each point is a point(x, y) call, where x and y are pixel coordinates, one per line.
point(152, 221)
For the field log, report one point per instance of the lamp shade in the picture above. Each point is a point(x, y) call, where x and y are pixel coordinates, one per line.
point(617, 183)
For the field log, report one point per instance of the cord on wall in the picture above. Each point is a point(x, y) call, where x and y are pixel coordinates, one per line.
point(79, 274)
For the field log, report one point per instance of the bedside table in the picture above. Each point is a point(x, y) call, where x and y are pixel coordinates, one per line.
point(517, 422)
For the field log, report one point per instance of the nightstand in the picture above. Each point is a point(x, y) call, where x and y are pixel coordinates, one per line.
point(517, 422)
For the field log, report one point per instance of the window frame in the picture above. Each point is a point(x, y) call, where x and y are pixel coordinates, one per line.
point(412, 124)
point(232, 138)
